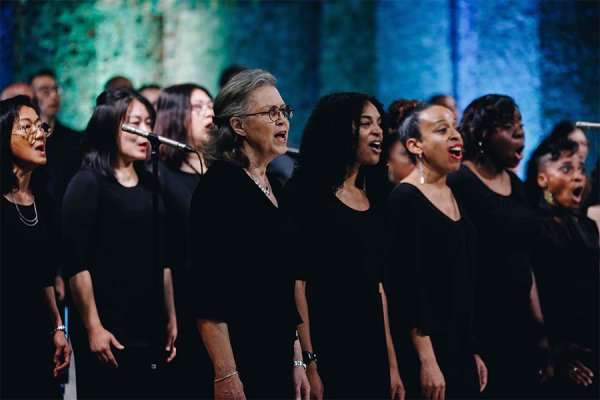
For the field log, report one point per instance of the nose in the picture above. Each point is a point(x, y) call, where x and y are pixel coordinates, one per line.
point(145, 126)
point(210, 112)
point(455, 135)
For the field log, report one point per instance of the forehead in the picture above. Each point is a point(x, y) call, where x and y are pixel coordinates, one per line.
point(434, 114)
point(265, 96)
point(370, 109)
point(199, 95)
point(28, 113)
point(44, 80)
point(138, 109)
point(565, 157)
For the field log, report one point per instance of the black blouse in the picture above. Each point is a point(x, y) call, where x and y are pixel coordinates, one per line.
point(507, 229)
point(566, 262)
point(241, 274)
point(108, 231)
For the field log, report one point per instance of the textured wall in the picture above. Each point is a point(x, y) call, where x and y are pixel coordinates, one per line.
point(543, 53)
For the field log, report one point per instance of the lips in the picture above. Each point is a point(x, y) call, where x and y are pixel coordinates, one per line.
point(456, 152)
point(577, 194)
point(281, 136)
point(519, 153)
point(375, 146)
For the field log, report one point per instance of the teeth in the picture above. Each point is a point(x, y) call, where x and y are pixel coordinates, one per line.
point(456, 148)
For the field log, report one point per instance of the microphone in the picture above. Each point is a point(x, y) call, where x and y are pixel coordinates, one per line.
point(583, 124)
point(161, 139)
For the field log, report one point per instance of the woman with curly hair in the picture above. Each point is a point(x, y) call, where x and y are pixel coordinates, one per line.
point(340, 295)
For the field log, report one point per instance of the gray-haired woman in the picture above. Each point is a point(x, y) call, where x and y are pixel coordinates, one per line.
point(239, 226)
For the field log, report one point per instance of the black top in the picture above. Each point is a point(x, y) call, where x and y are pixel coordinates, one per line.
point(341, 258)
point(241, 274)
point(108, 231)
point(63, 151)
point(566, 264)
point(28, 265)
point(506, 229)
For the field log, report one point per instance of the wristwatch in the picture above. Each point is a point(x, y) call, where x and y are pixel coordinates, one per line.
point(308, 357)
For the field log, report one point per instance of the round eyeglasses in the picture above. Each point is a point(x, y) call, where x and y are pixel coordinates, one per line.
point(29, 131)
point(275, 113)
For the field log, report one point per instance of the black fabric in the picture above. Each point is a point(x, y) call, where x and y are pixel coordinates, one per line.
point(504, 325)
point(28, 263)
point(566, 262)
point(431, 286)
point(177, 188)
point(108, 231)
point(63, 153)
point(341, 258)
point(241, 275)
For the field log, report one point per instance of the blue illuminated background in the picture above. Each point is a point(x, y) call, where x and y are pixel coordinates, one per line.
point(545, 54)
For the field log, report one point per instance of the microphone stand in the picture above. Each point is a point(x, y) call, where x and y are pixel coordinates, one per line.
point(158, 273)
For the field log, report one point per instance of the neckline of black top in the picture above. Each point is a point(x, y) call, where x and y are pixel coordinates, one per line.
point(413, 187)
point(478, 180)
point(346, 206)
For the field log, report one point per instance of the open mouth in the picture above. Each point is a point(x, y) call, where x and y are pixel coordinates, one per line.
point(577, 194)
point(519, 153)
point(281, 136)
point(40, 147)
point(376, 145)
point(456, 152)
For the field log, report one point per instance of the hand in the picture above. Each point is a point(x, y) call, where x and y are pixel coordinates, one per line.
point(100, 341)
point(433, 384)
point(301, 385)
point(230, 389)
point(482, 372)
point(62, 355)
point(59, 287)
point(397, 387)
point(171, 337)
point(316, 386)
point(580, 373)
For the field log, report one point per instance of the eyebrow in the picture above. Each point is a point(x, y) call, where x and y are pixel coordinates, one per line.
point(27, 119)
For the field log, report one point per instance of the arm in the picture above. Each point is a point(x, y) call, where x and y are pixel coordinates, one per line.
point(171, 316)
point(316, 386)
point(62, 354)
point(431, 377)
point(215, 335)
point(301, 385)
point(99, 338)
point(397, 387)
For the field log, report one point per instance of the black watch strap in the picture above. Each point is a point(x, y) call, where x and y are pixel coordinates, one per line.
point(308, 357)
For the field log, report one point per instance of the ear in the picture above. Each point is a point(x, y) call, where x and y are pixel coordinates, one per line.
point(414, 146)
point(542, 180)
point(237, 125)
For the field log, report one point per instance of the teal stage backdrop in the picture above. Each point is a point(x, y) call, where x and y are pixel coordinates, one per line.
point(546, 54)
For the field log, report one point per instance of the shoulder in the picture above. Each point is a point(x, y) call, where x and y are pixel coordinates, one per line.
point(86, 176)
point(403, 192)
point(460, 177)
point(216, 184)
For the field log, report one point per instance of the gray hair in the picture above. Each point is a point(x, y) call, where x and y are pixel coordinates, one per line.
point(224, 143)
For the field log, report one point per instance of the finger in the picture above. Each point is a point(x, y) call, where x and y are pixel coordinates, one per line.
point(102, 358)
point(575, 346)
point(484, 378)
point(583, 368)
point(56, 357)
point(67, 354)
point(442, 393)
point(111, 359)
point(172, 354)
point(116, 343)
point(427, 391)
point(402, 393)
point(297, 395)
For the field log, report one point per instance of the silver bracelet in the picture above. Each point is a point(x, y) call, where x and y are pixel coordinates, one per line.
point(58, 328)
point(226, 376)
point(299, 363)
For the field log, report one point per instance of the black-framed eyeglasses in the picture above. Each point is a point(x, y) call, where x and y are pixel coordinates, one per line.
point(29, 131)
point(275, 113)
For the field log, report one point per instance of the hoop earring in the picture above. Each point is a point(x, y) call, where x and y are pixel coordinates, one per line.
point(421, 176)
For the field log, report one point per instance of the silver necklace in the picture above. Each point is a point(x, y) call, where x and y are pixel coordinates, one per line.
point(26, 221)
point(265, 189)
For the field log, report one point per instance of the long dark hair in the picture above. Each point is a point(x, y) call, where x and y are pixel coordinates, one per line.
point(481, 119)
point(100, 137)
point(173, 118)
point(9, 113)
point(330, 140)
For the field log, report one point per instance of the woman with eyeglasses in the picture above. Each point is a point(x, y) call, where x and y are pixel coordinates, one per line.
point(507, 312)
point(126, 326)
point(240, 234)
point(184, 114)
point(566, 264)
point(339, 291)
point(34, 347)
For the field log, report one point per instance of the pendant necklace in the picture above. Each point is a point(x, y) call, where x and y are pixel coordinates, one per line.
point(265, 189)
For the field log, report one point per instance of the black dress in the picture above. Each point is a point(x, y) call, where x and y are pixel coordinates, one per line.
point(28, 266)
point(566, 262)
point(341, 258)
point(241, 275)
point(108, 232)
point(177, 188)
point(432, 261)
point(504, 325)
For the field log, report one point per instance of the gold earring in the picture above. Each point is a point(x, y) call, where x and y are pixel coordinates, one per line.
point(548, 197)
